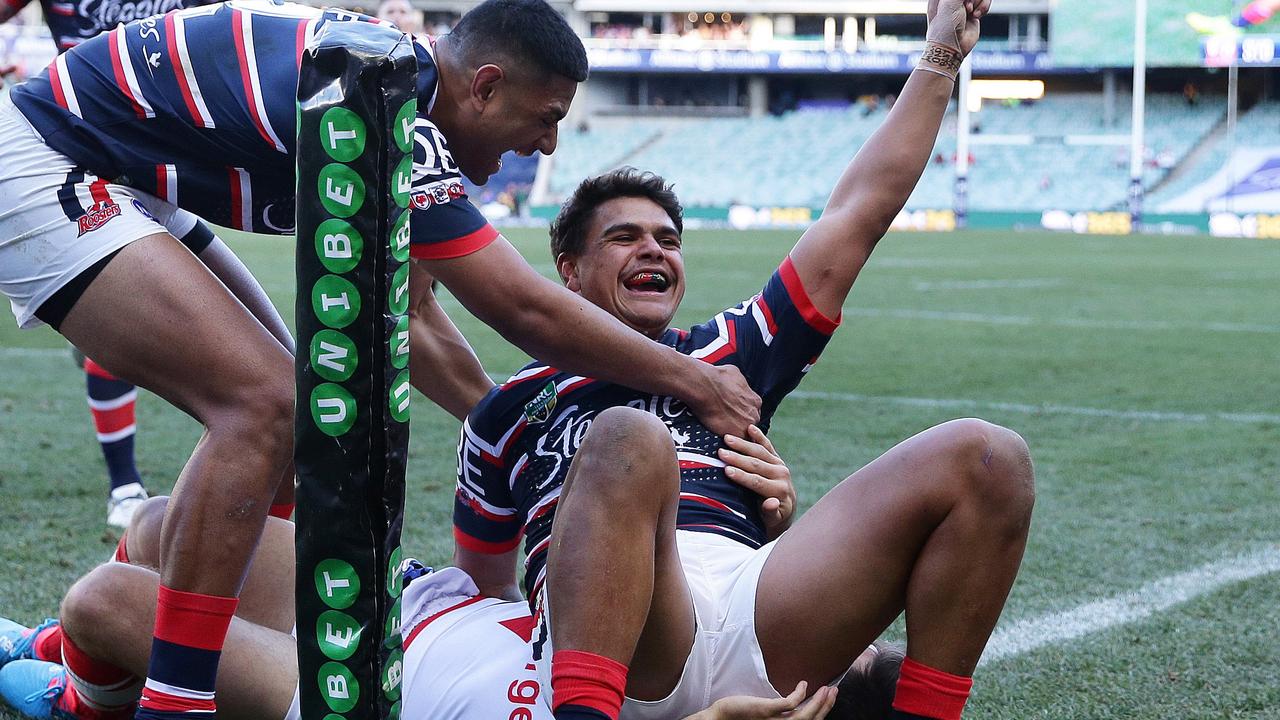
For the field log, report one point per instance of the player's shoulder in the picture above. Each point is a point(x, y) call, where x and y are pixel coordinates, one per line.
point(530, 394)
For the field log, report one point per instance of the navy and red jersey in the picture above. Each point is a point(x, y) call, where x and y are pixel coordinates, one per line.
point(198, 107)
point(518, 442)
point(75, 21)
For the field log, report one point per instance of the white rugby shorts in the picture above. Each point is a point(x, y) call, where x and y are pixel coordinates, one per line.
point(725, 659)
point(57, 219)
point(467, 656)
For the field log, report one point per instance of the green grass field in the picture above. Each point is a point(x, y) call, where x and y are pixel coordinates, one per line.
point(1142, 372)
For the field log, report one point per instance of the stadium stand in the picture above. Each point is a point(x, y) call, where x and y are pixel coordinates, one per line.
point(1056, 153)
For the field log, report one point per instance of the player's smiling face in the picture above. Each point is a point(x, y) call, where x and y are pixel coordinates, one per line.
point(631, 264)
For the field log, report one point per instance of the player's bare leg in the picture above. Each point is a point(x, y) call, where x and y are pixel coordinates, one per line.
point(108, 616)
point(265, 598)
point(158, 316)
point(937, 525)
point(614, 578)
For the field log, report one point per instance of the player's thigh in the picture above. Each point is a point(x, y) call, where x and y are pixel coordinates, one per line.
point(156, 316)
point(839, 576)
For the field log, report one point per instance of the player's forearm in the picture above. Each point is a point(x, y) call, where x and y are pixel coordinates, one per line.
point(442, 364)
point(571, 334)
point(877, 184)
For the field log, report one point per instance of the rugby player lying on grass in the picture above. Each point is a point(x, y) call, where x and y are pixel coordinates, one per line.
point(465, 656)
point(655, 578)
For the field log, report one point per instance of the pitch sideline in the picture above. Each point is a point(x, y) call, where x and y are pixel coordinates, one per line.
point(1023, 636)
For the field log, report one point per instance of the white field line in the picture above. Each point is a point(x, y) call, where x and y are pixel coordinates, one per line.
point(1049, 409)
point(1156, 596)
point(36, 352)
point(989, 319)
point(1023, 284)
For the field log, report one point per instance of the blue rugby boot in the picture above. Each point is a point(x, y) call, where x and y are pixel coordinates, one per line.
point(35, 689)
point(17, 642)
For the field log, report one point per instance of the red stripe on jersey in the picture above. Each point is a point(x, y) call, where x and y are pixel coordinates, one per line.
point(154, 699)
point(55, 82)
point(162, 183)
point(98, 189)
point(575, 385)
point(543, 511)
point(704, 500)
point(237, 32)
point(729, 347)
point(117, 67)
point(115, 420)
point(548, 372)
point(768, 315)
point(179, 72)
point(64, 9)
point(456, 248)
point(481, 546)
point(800, 298)
point(237, 201)
point(301, 40)
point(422, 625)
point(479, 509)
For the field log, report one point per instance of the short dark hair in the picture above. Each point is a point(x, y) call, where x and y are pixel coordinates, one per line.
point(867, 694)
point(569, 231)
point(524, 30)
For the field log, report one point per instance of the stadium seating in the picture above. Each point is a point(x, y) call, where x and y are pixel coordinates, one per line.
point(1258, 127)
point(1063, 155)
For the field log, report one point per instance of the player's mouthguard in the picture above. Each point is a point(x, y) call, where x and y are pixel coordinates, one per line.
point(648, 281)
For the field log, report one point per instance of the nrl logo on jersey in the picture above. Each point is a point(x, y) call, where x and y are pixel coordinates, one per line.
point(97, 216)
point(539, 409)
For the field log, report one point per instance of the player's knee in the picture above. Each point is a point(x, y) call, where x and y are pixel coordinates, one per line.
point(626, 444)
point(1000, 470)
point(88, 604)
point(263, 415)
point(143, 535)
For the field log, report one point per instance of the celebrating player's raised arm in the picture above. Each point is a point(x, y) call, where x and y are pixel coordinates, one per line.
point(877, 183)
point(562, 329)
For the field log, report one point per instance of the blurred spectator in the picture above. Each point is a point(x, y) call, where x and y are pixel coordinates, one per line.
point(1191, 93)
point(401, 14)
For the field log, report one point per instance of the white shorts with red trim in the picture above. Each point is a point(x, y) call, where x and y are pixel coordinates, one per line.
point(725, 659)
point(467, 656)
point(57, 219)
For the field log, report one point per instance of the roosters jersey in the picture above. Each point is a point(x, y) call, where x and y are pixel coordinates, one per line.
point(71, 22)
point(517, 444)
point(198, 107)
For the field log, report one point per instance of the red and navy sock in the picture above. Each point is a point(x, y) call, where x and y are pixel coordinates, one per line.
point(925, 693)
point(586, 686)
point(97, 689)
point(112, 402)
point(190, 630)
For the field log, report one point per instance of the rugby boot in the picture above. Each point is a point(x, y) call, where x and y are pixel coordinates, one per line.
point(17, 642)
point(35, 689)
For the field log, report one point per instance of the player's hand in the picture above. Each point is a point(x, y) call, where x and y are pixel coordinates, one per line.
point(955, 23)
point(753, 463)
point(791, 707)
point(723, 400)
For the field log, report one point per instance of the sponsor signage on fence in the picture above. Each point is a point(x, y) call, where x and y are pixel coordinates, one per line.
point(728, 60)
point(356, 104)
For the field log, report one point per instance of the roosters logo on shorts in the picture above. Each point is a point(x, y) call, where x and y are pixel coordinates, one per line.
point(97, 216)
